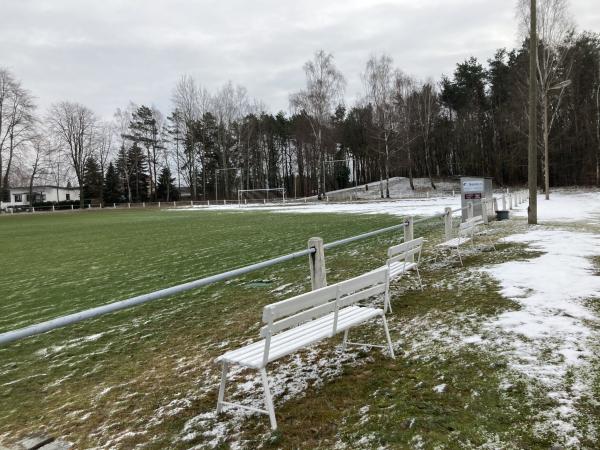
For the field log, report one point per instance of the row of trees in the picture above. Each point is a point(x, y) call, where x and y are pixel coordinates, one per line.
point(473, 122)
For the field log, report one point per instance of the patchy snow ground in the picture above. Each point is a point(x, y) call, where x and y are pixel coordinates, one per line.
point(566, 206)
point(413, 207)
point(549, 338)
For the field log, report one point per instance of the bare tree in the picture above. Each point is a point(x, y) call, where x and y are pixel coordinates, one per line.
point(324, 90)
point(598, 123)
point(427, 110)
point(191, 101)
point(379, 84)
point(554, 28)
point(404, 95)
point(73, 125)
point(229, 105)
point(40, 159)
point(16, 124)
point(104, 146)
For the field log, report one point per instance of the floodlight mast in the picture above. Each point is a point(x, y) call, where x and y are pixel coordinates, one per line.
point(532, 145)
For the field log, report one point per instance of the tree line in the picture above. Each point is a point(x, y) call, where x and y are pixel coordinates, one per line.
point(471, 122)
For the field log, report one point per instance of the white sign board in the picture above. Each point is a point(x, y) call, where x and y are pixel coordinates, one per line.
point(473, 186)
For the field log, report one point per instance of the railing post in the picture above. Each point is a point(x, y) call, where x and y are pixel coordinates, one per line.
point(448, 223)
point(470, 210)
point(316, 261)
point(485, 210)
point(409, 234)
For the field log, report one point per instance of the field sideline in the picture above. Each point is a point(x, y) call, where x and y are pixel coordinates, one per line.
point(145, 377)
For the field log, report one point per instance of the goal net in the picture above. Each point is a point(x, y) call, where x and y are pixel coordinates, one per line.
point(252, 196)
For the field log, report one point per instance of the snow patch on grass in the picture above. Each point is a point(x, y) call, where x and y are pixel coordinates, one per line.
point(548, 339)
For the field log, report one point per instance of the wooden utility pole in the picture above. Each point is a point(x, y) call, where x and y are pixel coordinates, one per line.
point(532, 166)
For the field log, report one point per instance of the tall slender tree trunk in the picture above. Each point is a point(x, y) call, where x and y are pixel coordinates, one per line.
point(387, 168)
point(532, 145)
point(546, 152)
point(598, 129)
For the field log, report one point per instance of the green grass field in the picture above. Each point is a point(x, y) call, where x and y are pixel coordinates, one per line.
point(146, 377)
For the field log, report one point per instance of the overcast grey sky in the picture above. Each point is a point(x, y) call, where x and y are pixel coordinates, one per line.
point(104, 53)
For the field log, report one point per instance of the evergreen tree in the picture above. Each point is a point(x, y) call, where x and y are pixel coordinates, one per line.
point(93, 180)
point(167, 191)
point(112, 186)
point(138, 175)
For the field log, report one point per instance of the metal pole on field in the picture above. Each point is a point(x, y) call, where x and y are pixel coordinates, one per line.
point(532, 155)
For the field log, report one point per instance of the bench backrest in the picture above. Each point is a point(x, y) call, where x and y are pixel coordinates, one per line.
point(302, 308)
point(402, 252)
point(466, 229)
point(477, 220)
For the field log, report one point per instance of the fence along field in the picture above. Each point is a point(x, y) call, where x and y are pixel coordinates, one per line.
point(146, 325)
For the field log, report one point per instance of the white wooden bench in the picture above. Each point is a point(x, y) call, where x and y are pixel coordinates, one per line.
point(404, 257)
point(466, 233)
point(478, 222)
point(463, 236)
point(298, 322)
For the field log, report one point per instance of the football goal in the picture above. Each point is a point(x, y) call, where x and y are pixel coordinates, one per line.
point(272, 195)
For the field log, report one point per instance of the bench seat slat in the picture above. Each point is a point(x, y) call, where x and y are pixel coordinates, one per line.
point(398, 268)
point(296, 338)
point(410, 247)
point(454, 242)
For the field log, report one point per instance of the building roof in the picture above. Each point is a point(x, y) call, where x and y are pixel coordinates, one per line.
point(46, 186)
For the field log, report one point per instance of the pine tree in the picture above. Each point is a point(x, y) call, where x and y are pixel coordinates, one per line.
point(93, 180)
point(138, 175)
point(166, 186)
point(112, 186)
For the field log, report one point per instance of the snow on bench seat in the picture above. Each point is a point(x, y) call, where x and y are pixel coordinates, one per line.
point(303, 320)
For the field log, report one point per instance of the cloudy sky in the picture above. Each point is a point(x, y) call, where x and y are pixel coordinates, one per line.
point(105, 53)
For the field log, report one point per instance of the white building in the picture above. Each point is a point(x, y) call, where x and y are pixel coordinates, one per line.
point(19, 196)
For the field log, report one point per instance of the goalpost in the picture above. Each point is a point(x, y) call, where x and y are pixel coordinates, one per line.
point(270, 195)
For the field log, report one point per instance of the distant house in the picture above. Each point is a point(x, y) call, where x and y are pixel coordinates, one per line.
point(19, 196)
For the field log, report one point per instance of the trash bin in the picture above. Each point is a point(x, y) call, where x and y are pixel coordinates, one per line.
point(501, 215)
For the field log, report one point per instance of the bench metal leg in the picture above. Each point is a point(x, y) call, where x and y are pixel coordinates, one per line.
point(387, 336)
point(419, 276)
point(345, 341)
point(222, 387)
point(459, 257)
point(268, 399)
point(490, 240)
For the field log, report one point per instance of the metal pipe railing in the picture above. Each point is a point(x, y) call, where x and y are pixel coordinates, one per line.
point(42, 327)
point(49, 325)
